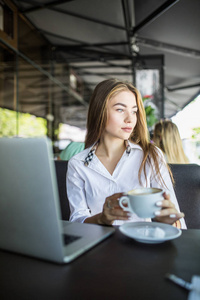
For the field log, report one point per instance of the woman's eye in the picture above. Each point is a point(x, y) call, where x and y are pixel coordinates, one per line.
point(120, 110)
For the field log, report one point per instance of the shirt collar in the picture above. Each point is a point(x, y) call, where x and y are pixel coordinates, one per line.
point(134, 146)
point(91, 152)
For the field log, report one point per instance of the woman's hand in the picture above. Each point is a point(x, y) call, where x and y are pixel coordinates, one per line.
point(168, 213)
point(112, 211)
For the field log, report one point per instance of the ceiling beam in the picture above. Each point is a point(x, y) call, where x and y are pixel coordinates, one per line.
point(127, 21)
point(66, 12)
point(173, 103)
point(93, 56)
point(183, 87)
point(104, 73)
point(153, 16)
point(98, 53)
point(88, 45)
point(168, 47)
point(60, 36)
point(101, 66)
point(38, 5)
point(93, 20)
point(81, 44)
point(190, 100)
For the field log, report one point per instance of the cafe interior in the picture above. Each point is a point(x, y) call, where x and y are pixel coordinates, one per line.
point(52, 55)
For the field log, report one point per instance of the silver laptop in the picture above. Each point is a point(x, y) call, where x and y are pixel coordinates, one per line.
point(30, 217)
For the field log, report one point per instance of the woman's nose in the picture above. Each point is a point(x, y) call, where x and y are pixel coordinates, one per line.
point(129, 117)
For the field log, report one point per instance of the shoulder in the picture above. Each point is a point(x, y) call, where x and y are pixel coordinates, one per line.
point(154, 152)
point(159, 152)
point(157, 155)
point(151, 147)
point(79, 157)
point(135, 146)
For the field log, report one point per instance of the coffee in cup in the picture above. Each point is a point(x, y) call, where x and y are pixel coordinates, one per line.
point(142, 201)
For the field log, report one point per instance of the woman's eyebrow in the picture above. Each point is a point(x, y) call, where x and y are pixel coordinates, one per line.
point(124, 105)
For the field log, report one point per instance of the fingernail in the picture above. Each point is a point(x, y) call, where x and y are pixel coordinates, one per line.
point(159, 203)
point(172, 216)
point(157, 213)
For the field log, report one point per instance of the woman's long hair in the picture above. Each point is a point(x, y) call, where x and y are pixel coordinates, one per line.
point(97, 120)
point(166, 136)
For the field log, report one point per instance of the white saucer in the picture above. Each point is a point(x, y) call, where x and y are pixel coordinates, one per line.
point(150, 232)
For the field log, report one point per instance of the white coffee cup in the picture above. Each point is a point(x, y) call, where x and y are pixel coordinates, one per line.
point(142, 201)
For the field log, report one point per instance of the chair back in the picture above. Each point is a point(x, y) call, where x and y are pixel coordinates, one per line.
point(61, 170)
point(187, 189)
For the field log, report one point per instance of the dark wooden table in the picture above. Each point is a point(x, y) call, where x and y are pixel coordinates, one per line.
point(118, 268)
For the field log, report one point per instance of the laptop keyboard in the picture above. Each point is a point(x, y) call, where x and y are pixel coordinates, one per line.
point(68, 239)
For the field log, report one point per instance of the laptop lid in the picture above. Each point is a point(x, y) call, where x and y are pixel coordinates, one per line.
point(29, 206)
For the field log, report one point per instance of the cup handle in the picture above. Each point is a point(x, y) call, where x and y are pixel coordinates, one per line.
point(124, 200)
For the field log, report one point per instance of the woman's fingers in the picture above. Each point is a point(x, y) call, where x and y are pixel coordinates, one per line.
point(168, 213)
point(112, 211)
point(166, 196)
point(165, 204)
point(168, 219)
point(113, 201)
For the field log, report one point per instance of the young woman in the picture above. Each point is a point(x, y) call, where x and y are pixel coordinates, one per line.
point(118, 158)
point(166, 136)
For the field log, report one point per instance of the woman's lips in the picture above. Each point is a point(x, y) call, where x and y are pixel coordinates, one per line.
point(127, 129)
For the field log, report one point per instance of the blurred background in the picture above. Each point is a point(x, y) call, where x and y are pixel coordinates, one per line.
point(53, 54)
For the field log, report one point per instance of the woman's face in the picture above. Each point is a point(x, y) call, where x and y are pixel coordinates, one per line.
point(121, 115)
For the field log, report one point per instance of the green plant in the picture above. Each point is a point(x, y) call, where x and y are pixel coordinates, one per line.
point(28, 125)
point(196, 134)
point(151, 113)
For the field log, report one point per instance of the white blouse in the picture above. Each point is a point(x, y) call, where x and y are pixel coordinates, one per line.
point(89, 186)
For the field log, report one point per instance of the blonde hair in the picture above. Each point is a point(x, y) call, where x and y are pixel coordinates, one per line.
point(166, 136)
point(97, 120)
